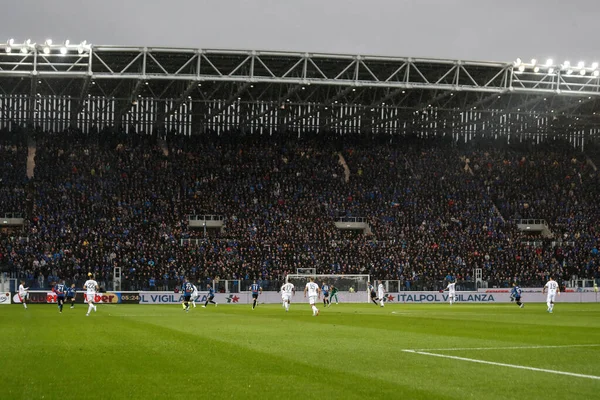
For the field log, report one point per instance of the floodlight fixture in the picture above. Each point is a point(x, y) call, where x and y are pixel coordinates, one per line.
point(536, 69)
point(596, 73)
point(46, 50)
point(63, 50)
point(521, 68)
point(549, 62)
point(594, 65)
point(67, 42)
point(566, 64)
point(550, 70)
point(24, 50)
point(580, 64)
point(582, 72)
point(8, 49)
point(49, 42)
point(569, 71)
point(533, 61)
point(11, 41)
point(518, 62)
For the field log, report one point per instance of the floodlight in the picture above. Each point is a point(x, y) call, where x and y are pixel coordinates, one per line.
point(521, 68)
point(518, 62)
point(49, 42)
point(596, 73)
point(80, 50)
point(536, 69)
point(46, 50)
point(24, 50)
point(28, 42)
point(580, 64)
point(8, 49)
point(550, 70)
point(569, 71)
point(582, 72)
point(11, 41)
point(566, 64)
point(63, 50)
point(533, 61)
point(67, 42)
point(595, 65)
point(549, 62)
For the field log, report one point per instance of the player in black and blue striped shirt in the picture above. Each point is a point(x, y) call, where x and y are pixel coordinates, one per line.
point(210, 296)
point(187, 288)
point(256, 290)
point(61, 290)
point(71, 293)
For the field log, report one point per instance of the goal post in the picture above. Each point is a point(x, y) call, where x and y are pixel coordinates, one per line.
point(344, 283)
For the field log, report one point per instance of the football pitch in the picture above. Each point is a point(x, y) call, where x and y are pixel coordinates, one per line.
point(349, 351)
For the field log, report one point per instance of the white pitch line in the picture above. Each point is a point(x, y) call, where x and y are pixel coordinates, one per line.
point(509, 347)
point(551, 371)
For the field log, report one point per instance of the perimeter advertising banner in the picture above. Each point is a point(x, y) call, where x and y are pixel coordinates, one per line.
point(495, 296)
point(5, 298)
point(49, 297)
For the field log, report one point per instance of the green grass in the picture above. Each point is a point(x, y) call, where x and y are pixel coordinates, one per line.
point(348, 352)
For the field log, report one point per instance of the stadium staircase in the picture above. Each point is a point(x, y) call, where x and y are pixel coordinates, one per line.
point(342, 161)
point(31, 150)
point(591, 163)
point(163, 147)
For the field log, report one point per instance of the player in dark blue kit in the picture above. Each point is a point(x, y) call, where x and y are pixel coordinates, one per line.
point(515, 294)
point(256, 290)
point(325, 290)
point(61, 290)
point(187, 288)
point(71, 292)
point(210, 297)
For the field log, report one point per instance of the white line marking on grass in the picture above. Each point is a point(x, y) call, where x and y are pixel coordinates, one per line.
point(509, 347)
point(473, 360)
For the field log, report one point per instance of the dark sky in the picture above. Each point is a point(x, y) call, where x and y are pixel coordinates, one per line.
point(496, 30)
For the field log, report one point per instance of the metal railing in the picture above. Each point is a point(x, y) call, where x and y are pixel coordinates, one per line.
point(208, 217)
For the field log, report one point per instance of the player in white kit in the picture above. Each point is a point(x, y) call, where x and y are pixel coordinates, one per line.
point(381, 293)
point(313, 291)
point(91, 287)
point(287, 290)
point(195, 295)
point(451, 288)
point(23, 294)
point(553, 290)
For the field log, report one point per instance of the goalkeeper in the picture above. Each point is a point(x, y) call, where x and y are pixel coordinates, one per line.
point(333, 294)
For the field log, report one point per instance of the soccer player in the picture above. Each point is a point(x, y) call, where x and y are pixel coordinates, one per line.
point(325, 291)
point(210, 297)
point(71, 293)
point(23, 291)
point(287, 290)
point(313, 291)
point(91, 286)
point(372, 293)
point(553, 290)
point(60, 289)
point(256, 290)
point(451, 288)
point(334, 291)
point(187, 288)
point(515, 294)
point(381, 293)
point(194, 295)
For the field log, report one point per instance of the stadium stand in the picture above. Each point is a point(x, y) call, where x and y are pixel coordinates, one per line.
point(435, 210)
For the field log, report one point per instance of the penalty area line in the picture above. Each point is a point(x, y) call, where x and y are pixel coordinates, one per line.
point(473, 360)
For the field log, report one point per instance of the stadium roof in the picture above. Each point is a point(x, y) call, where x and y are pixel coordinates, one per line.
point(194, 90)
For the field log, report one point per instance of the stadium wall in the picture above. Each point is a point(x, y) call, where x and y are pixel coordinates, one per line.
point(530, 295)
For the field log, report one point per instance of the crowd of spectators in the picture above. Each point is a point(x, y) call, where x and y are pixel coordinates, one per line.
point(435, 210)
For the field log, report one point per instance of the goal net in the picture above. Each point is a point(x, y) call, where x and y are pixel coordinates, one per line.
point(345, 283)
